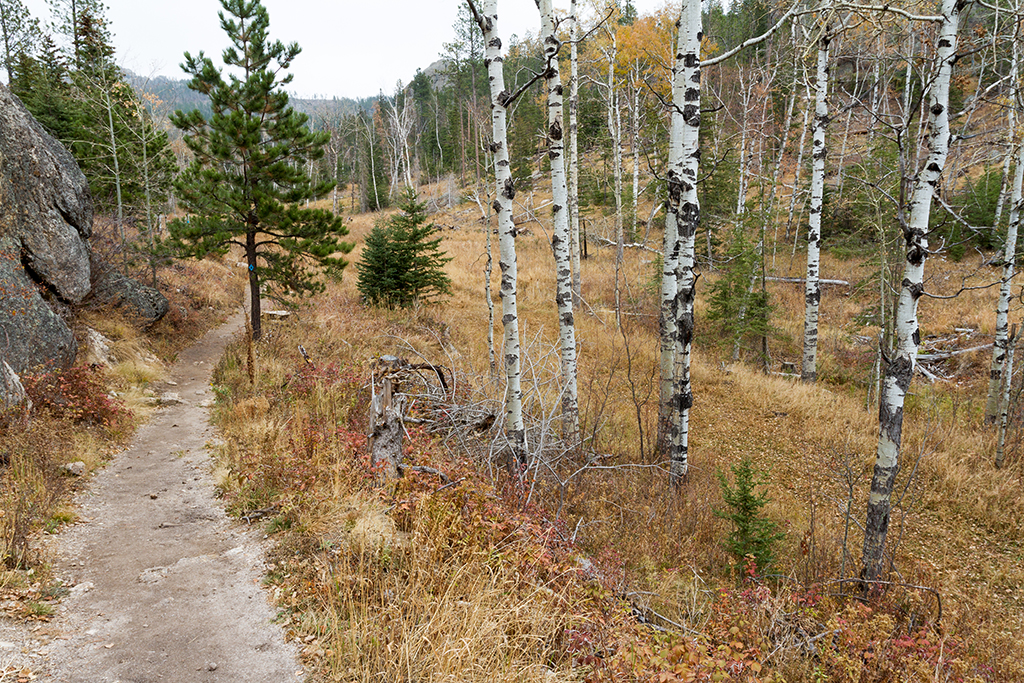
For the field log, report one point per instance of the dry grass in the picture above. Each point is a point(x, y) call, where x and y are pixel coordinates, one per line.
point(398, 607)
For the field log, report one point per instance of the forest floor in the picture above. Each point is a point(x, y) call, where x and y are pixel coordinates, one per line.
point(162, 586)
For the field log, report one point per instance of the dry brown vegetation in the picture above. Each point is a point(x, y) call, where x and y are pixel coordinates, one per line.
point(482, 580)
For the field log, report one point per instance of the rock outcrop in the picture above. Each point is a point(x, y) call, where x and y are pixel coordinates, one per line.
point(45, 222)
point(140, 303)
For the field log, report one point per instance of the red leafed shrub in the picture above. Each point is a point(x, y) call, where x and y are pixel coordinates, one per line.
point(78, 394)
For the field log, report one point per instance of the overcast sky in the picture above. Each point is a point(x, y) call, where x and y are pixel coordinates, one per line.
point(351, 48)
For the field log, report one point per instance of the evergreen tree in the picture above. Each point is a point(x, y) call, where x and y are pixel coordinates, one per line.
point(248, 181)
point(67, 22)
point(41, 83)
point(18, 31)
point(752, 533)
point(402, 261)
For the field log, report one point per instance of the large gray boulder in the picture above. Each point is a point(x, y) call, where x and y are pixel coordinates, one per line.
point(45, 222)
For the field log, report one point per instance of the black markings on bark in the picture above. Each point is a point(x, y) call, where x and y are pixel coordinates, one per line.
point(556, 208)
point(555, 132)
point(944, 42)
point(494, 147)
point(496, 206)
point(507, 320)
point(558, 89)
point(691, 115)
point(901, 370)
point(684, 400)
point(891, 424)
point(509, 189)
point(690, 61)
point(937, 109)
point(503, 97)
point(916, 336)
point(689, 219)
point(934, 167)
point(814, 296)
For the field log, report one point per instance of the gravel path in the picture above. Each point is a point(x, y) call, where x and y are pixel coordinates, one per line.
point(165, 586)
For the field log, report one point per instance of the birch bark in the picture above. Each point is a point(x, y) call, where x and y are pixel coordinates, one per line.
point(915, 232)
point(486, 14)
point(1009, 249)
point(560, 228)
point(812, 291)
point(574, 154)
point(683, 209)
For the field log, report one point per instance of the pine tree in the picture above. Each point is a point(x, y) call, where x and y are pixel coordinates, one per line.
point(18, 31)
point(248, 182)
point(752, 533)
point(402, 261)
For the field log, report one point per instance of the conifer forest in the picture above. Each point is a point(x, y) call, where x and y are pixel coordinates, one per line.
point(651, 345)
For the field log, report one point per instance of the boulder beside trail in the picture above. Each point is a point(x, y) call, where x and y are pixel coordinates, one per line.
point(45, 222)
point(141, 303)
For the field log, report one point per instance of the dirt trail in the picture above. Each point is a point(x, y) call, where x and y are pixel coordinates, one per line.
point(165, 586)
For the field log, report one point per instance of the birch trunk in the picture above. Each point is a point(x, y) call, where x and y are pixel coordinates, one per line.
point(801, 146)
point(812, 290)
point(683, 208)
point(1009, 251)
point(574, 155)
point(560, 228)
point(636, 150)
point(614, 128)
point(487, 18)
point(1004, 401)
point(1005, 293)
point(901, 366)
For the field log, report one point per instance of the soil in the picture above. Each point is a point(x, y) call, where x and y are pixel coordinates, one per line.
point(163, 586)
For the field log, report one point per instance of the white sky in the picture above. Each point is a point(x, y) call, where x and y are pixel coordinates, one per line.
point(350, 48)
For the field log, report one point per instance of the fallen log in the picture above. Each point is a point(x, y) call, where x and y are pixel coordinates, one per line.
point(821, 281)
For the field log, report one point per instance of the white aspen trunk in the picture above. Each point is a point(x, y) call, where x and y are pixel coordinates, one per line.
point(741, 195)
point(560, 228)
point(636, 151)
point(614, 129)
point(574, 155)
point(812, 290)
point(877, 92)
point(1005, 290)
point(668, 412)
point(799, 168)
point(1009, 250)
point(901, 366)
point(783, 144)
point(684, 207)
point(1004, 183)
point(117, 168)
point(487, 18)
point(1004, 401)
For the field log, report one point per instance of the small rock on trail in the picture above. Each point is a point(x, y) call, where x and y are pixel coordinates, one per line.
point(169, 585)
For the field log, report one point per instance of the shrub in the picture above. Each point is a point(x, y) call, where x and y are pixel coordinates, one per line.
point(77, 394)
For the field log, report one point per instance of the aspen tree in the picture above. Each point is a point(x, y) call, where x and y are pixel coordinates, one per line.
point(1016, 148)
point(485, 12)
point(574, 153)
point(901, 366)
point(683, 213)
point(560, 218)
point(812, 289)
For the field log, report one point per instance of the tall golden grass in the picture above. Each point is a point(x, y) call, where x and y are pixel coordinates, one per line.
point(397, 608)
